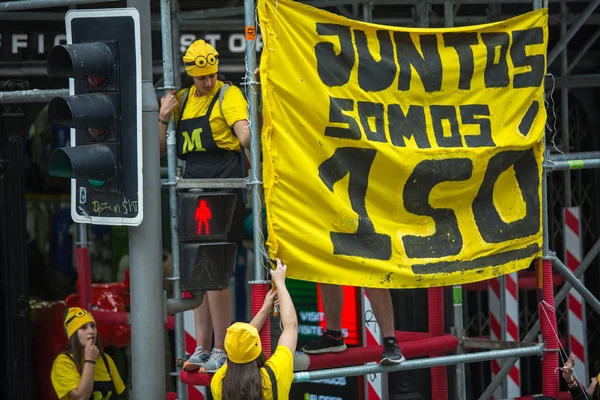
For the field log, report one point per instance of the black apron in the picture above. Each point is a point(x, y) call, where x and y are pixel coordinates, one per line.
point(213, 162)
point(103, 388)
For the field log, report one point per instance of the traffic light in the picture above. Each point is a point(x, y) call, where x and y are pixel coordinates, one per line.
point(104, 111)
point(206, 258)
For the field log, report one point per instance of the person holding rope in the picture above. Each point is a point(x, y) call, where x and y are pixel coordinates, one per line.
point(84, 371)
point(592, 392)
point(247, 374)
point(212, 126)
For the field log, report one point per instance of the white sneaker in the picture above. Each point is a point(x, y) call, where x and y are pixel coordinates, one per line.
point(216, 361)
point(199, 357)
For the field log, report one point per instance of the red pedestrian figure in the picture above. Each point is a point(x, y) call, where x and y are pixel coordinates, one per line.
point(203, 215)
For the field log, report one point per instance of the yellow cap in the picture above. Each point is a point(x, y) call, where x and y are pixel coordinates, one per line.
point(201, 59)
point(75, 318)
point(242, 343)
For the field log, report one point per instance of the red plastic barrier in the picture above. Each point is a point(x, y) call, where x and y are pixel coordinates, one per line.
point(439, 375)
point(111, 317)
point(84, 273)
point(352, 356)
point(197, 396)
point(547, 316)
point(170, 325)
point(110, 306)
point(259, 292)
point(195, 378)
point(407, 336)
point(362, 355)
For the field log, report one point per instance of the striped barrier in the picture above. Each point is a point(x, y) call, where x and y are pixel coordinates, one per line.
point(576, 305)
point(375, 383)
point(512, 385)
point(194, 392)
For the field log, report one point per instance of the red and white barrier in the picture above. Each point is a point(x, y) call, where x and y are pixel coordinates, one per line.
point(511, 331)
point(577, 320)
point(194, 392)
point(375, 383)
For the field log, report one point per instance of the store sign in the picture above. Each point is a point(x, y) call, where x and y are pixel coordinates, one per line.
point(28, 45)
point(229, 44)
point(22, 44)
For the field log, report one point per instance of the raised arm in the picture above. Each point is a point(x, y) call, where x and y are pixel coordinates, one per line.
point(577, 392)
point(287, 312)
point(262, 314)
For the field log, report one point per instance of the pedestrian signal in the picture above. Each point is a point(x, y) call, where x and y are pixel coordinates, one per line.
point(205, 216)
point(206, 258)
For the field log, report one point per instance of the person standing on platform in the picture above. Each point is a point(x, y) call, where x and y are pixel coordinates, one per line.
point(332, 340)
point(212, 127)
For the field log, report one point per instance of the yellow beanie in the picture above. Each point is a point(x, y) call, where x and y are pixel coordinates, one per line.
point(201, 59)
point(75, 318)
point(242, 343)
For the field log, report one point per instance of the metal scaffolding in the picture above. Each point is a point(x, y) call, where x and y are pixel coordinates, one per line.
point(171, 22)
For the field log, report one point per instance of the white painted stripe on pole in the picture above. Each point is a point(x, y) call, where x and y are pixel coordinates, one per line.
point(575, 303)
point(494, 323)
point(194, 392)
point(572, 243)
point(513, 385)
point(372, 337)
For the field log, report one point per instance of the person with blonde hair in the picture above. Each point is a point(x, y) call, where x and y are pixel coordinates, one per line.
point(248, 375)
point(84, 371)
point(212, 127)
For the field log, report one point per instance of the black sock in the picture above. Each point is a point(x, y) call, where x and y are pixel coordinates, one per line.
point(390, 341)
point(334, 334)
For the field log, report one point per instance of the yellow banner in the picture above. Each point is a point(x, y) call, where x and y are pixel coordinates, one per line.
point(401, 157)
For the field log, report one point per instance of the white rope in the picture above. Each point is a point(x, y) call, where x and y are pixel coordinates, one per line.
point(562, 352)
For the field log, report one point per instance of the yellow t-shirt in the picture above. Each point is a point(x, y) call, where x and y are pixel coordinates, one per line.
point(65, 377)
point(282, 364)
point(235, 108)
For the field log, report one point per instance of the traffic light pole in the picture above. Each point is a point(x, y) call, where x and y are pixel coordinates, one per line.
point(145, 244)
point(168, 61)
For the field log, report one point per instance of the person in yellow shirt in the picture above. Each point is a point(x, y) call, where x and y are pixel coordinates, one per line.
point(247, 375)
point(79, 373)
point(212, 127)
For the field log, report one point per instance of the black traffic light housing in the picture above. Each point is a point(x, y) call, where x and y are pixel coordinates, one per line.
point(103, 59)
point(206, 258)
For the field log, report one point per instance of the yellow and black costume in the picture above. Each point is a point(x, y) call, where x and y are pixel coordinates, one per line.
point(205, 136)
point(64, 375)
